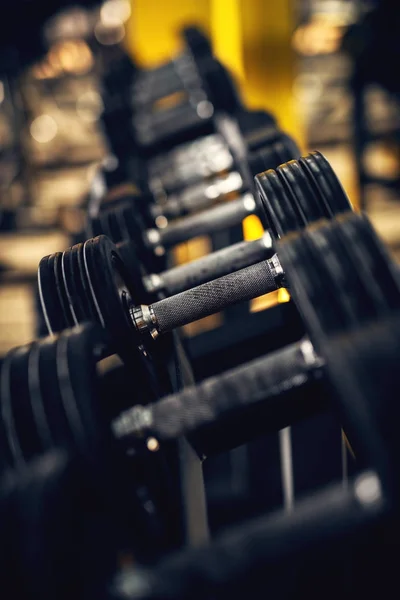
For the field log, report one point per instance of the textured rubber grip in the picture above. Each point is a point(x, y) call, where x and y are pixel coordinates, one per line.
point(213, 296)
point(204, 223)
point(216, 264)
point(261, 380)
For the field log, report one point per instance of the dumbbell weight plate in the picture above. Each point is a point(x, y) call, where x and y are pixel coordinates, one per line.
point(82, 283)
point(71, 278)
point(53, 309)
point(25, 414)
point(326, 183)
point(319, 315)
point(297, 187)
point(10, 443)
point(374, 258)
point(61, 291)
point(280, 215)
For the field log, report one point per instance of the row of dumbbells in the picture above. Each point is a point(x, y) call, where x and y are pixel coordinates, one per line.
point(111, 292)
point(347, 291)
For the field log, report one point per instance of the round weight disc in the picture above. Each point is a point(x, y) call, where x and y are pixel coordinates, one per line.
point(278, 212)
point(79, 388)
point(10, 442)
point(70, 287)
point(373, 263)
point(341, 270)
point(110, 291)
point(84, 286)
point(49, 388)
point(302, 193)
point(21, 403)
point(326, 183)
point(51, 306)
point(61, 291)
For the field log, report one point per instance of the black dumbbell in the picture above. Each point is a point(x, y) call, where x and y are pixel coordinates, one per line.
point(63, 293)
point(232, 142)
point(127, 219)
point(341, 280)
point(277, 554)
point(343, 284)
point(50, 398)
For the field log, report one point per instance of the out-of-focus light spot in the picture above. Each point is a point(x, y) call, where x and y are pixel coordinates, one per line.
point(205, 109)
point(307, 88)
point(89, 106)
point(161, 222)
point(107, 36)
point(319, 36)
point(283, 295)
point(43, 129)
point(1, 92)
point(153, 444)
point(115, 12)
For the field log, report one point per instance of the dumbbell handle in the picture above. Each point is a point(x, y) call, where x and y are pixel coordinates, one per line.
point(214, 265)
point(263, 381)
point(217, 218)
point(207, 299)
point(267, 544)
point(199, 196)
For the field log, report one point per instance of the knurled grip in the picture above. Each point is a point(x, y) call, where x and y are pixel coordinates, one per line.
point(216, 264)
point(261, 380)
point(213, 296)
point(220, 217)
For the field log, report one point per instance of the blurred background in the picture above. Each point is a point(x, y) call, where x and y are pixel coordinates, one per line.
point(328, 70)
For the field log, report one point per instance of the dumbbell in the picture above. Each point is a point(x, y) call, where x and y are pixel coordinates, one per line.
point(72, 289)
point(283, 554)
point(208, 156)
point(50, 399)
point(264, 397)
point(341, 280)
point(200, 173)
point(122, 221)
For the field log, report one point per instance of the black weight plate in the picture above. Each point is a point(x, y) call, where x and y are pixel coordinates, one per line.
point(82, 307)
point(272, 155)
point(51, 306)
point(328, 186)
point(302, 193)
point(355, 241)
point(312, 298)
point(10, 442)
point(48, 378)
point(277, 210)
point(39, 413)
point(109, 284)
point(85, 346)
point(350, 293)
point(84, 287)
point(375, 265)
point(326, 266)
point(70, 287)
point(21, 403)
point(61, 291)
point(362, 369)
